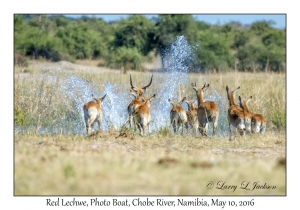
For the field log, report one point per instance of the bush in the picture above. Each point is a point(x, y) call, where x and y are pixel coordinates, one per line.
point(125, 58)
point(20, 60)
point(20, 116)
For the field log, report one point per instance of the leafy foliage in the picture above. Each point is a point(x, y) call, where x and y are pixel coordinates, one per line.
point(127, 43)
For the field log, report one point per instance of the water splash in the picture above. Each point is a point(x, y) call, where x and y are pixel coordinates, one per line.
point(75, 92)
point(175, 74)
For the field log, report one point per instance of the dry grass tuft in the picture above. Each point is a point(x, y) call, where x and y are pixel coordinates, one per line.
point(204, 164)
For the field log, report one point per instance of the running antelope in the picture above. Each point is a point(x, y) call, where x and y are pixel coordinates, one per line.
point(93, 113)
point(236, 116)
point(178, 116)
point(140, 91)
point(207, 111)
point(143, 116)
point(255, 123)
point(192, 114)
point(135, 103)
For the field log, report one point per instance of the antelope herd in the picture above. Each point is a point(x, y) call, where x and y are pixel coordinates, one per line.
point(196, 117)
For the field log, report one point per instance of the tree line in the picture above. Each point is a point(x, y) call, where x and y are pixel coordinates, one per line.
point(127, 43)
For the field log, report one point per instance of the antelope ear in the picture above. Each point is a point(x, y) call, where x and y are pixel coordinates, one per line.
point(205, 88)
point(133, 93)
point(249, 100)
point(103, 97)
point(152, 97)
point(237, 89)
point(94, 97)
point(194, 87)
point(135, 89)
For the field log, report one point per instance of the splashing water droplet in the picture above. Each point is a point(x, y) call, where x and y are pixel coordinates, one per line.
point(77, 91)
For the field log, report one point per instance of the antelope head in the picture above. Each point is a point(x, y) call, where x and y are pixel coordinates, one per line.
point(99, 100)
point(137, 96)
point(148, 100)
point(189, 104)
point(140, 91)
point(199, 92)
point(230, 95)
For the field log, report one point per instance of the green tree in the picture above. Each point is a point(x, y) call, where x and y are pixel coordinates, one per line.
point(213, 52)
point(240, 39)
point(248, 57)
point(170, 26)
point(260, 27)
point(125, 58)
point(276, 37)
point(226, 29)
point(135, 32)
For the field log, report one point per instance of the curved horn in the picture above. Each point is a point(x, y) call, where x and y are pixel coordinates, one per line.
point(241, 103)
point(149, 83)
point(131, 83)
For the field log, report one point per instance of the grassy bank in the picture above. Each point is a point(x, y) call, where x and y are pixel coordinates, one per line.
point(110, 164)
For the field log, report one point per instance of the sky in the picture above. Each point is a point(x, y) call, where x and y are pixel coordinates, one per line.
point(245, 19)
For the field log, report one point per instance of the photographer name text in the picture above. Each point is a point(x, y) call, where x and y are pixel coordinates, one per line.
point(142, 202)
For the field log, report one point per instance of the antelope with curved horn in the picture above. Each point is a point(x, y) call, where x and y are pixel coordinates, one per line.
point(236, 115)
point(192, 114)
point(135, 103)
point(93, 113)
point(143, 116)
point(140, 91)
point(207, 111)
point(255, 123)
point(178, 116)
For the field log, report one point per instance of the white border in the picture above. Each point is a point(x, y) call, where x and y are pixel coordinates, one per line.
point(6, 21)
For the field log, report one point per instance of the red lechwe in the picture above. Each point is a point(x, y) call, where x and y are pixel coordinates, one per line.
point(143, 115)
point(192, 115)
point(207, 111)
point(236, 116)
point(135, 103)
point(255, 123)
point(178, 116)
point(93, 113)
